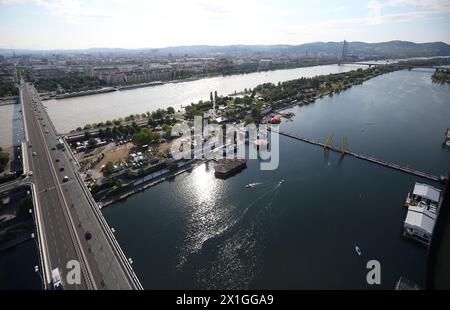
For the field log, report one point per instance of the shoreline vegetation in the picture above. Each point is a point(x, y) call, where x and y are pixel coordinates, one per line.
point(441, 77)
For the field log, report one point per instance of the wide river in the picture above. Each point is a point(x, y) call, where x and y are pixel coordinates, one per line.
point(11, 130)
point(68, 114)
point(200, 232)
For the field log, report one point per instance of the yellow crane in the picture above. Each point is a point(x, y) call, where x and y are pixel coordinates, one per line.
point(344, 145)
point(329, 140)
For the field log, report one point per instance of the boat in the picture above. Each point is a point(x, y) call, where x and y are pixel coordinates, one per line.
point(358, 250)
point(275, 119)
point(288, 114)
point(281, 182)
point(251, 185)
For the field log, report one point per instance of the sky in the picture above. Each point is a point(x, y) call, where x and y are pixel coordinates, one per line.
point(79, 24)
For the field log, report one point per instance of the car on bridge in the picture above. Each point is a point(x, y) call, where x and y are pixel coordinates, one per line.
point(56, 279)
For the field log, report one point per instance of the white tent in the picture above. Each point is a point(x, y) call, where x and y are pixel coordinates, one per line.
point(427, 192)
point(420, 220)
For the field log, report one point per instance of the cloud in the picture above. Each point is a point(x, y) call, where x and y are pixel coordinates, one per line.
point(426, 8)
point(432, 5)
point(211, 8)
point(72, 11)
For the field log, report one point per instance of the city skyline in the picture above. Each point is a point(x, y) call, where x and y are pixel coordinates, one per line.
point(78, 24)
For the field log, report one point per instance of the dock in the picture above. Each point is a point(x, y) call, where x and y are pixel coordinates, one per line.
point(225, 168)
point(367, 158)
point(446, 142)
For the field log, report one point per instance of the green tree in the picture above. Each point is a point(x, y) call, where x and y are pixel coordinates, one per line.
point(172, 166)
point(248, 120)
point(145, 137)
point(256, 112)
point(170, 110)
point(92, 143)
point(167, 129)
point(109, 168)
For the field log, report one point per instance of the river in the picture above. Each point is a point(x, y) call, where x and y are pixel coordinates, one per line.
point(11, 130)
point(17, 267)
point(68, 114)
point(198, 232)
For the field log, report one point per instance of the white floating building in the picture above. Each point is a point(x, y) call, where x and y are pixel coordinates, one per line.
point(423, 207)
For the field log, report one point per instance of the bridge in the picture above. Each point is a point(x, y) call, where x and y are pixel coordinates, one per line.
point(69, 224)
point(344, 150)
point(404, 65)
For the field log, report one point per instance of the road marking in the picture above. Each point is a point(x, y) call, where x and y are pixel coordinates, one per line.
point(85, 263)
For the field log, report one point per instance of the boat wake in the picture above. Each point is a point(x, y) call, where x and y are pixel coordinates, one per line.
point(251, 185)
point(234, 246)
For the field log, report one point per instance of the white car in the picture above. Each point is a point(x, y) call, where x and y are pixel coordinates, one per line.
point(34, 154)
point(30, 173)
point(56, 279)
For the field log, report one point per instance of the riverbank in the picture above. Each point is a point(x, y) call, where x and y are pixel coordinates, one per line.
point(162, 177)
point(103, 90)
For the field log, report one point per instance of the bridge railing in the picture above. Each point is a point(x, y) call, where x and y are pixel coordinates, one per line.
point(109, 234)
point(45, 268)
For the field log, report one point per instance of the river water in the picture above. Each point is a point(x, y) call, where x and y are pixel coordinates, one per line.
point(11, 130)
point(68, 114)
point(198, 232)
point(17, 267)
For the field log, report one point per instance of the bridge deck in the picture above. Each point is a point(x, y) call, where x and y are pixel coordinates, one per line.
point(364, 157)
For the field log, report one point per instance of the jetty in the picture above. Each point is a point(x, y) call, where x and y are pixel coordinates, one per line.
point(225, 168)
point(371, 159)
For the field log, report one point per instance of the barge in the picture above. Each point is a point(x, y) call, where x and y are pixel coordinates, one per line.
point(423, 207)
point(225, 168)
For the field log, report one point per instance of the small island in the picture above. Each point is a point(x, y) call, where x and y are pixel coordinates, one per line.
point(441, 76)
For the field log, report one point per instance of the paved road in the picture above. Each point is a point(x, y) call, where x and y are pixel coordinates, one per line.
point(72, 228)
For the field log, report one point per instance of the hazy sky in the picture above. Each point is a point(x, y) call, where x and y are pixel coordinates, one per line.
point(67, 24)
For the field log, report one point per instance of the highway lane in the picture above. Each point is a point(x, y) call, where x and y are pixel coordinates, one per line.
point(102, 261)
point(60, 244)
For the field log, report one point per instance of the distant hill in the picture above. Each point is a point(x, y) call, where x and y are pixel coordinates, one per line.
point(391, 49)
